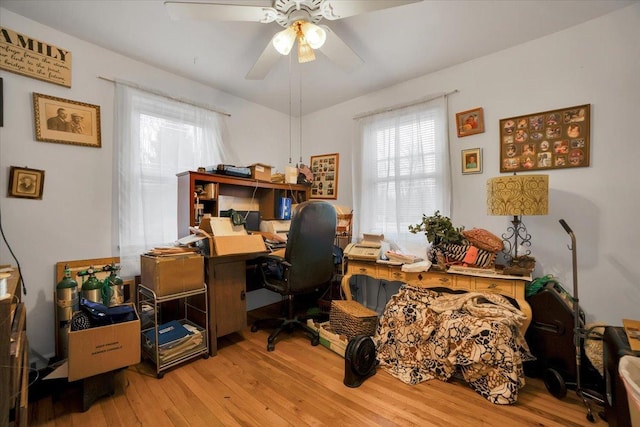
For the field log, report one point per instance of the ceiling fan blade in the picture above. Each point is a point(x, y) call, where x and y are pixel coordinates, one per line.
point(220, 12)
point(339, 9)
point(338, 51)
point(265, 62)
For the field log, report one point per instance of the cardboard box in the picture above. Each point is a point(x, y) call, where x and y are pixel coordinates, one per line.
point(261, 172)
point(328, 338)
point(102, 349)
point(231, 245)
point(235, 242)
point(172, 274)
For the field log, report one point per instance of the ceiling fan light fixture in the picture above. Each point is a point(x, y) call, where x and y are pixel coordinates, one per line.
point(284, 40)
point(315, 35)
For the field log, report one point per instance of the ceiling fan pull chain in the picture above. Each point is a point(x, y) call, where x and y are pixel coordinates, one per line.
point(300, 113)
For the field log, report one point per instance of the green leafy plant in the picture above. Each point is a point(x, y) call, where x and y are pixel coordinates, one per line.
point(438, 229)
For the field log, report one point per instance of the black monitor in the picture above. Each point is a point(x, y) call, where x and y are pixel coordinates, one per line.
point(252, 219)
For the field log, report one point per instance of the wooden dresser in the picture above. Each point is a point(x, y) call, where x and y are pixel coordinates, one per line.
point(14, 354)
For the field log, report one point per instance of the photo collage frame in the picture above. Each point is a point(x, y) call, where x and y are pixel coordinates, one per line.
point(553, 139)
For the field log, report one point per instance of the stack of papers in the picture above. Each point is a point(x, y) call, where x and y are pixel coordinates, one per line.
point(401, 258)
point(371, 241)
point(174, 339)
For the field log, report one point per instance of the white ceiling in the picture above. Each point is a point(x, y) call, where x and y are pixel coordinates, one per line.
point(396, 44)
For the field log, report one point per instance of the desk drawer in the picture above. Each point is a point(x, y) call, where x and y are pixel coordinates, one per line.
point(504, 287)
point(464, 283)
point(366, 268)
point(430, 280)
point(397, 275)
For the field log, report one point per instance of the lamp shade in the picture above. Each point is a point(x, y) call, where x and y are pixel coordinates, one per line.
point(518, 195)
point(284, 40)
point(314, 35)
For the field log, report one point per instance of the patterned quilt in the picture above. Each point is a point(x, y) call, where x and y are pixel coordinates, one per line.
point(425, 334)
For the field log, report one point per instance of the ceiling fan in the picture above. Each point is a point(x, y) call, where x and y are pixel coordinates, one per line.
point(299, 19)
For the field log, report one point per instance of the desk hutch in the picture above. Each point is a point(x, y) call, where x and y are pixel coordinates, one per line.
point(265, 194)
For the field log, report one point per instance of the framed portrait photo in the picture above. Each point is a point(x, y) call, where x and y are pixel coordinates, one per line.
point(26, 183)
point(472, 160)
point(470, 122)
point(324, 169)
point(65, 121)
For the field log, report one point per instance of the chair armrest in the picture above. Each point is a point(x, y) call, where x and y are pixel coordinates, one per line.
point(277, 256)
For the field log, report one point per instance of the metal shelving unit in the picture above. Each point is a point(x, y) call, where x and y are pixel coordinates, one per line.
point(192, 315)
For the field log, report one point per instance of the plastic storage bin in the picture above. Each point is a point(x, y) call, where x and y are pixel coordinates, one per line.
point(629, 369)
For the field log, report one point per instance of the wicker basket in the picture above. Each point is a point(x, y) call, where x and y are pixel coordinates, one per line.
point(350, 318)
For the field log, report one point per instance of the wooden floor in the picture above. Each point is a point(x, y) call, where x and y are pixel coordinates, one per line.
point(295, 385)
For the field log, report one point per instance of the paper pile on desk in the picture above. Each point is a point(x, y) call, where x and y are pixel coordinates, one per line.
point(416, 267)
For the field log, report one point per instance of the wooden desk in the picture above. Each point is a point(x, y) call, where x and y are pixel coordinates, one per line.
point(226, 278)
point(509, 287)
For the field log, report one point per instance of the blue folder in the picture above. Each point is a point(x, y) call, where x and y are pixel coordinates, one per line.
point(167, 333)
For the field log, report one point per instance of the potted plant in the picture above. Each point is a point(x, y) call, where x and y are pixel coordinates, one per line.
point(439, 231)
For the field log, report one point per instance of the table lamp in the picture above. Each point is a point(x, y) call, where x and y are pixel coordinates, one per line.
point(517, 195)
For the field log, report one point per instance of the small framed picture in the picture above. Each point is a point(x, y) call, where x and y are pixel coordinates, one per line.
point(65, 121)
point(26, 183)
point(472, 160)
point(470, 122)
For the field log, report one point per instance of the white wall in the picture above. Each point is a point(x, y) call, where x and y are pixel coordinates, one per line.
point(596, 63)
point(74, 219)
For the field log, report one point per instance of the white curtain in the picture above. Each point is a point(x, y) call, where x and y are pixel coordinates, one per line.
point(401, 171)
point(157, 138)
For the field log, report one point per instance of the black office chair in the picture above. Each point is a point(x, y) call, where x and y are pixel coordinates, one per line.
point(307, 264)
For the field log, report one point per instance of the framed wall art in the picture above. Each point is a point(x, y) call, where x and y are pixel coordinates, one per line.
point(470, 122)
point(26, 183)
point(66, 122)
point(324, 169)
point(555, 139)
point(472, 160)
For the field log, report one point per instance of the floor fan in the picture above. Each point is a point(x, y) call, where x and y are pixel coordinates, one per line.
point(359, 360)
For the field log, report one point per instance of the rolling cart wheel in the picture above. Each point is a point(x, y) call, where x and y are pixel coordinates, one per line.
point(271, 346)
point(555, 383)
point(205, 356)
point(254, 328)
point(315, 341)
point(160, 375)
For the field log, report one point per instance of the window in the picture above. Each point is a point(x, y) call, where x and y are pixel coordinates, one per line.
point(401, 171)
point(156, 139)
